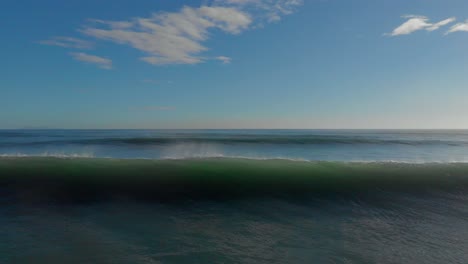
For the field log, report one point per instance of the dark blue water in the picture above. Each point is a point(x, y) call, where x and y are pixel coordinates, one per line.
point(233, 196)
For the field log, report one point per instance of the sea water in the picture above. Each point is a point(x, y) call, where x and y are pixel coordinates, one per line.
point(233, 196)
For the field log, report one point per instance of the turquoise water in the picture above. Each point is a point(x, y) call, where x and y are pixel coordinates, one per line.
point(233, 196)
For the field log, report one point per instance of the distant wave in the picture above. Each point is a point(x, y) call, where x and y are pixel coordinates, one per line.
point(48, 154)
point(298, 140)
point(199, 156)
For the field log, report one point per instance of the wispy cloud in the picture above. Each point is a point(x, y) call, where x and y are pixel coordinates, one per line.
point(159, 108)
point(441, 24)
point(101, 62)
point(177, 37)
point(152, 81)
point(154, 108)
point(269, 10)
point(171, 38)
point(224, 59)
point(415, 23)
point(463, 26)
point(67, 42)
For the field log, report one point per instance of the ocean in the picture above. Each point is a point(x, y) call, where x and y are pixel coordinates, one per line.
point(233, 196)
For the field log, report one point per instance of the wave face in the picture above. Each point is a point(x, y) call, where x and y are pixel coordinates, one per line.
point(231, 210)
point(82, 178)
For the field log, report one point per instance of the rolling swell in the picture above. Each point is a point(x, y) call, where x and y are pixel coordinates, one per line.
point(35, 179)
point(245, 139)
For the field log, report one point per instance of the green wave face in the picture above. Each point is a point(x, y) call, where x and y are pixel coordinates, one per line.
point(82, 179)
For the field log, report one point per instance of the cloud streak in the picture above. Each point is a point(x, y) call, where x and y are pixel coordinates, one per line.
point(154, 108)
point(459, 27)
point(416, 23)
point(269, 10)
point(159, 108)
point(177, 37)
point(101, 62)
point(441, 24)
point(224, 59)
point(67, 42)
point(171, 38)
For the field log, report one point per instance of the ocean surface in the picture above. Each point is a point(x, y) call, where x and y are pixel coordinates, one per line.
point(233, 196)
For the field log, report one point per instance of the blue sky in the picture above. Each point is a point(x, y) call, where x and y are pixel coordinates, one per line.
point(234, 64)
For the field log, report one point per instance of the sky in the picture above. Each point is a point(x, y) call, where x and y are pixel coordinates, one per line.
point(234, 64)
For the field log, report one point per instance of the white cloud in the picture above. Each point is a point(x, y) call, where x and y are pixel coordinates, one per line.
point(99, 61)
point(224, 59)
point(179, 37)
point(67, 42)
point(459, 27)
point(441, 24)
point(269, 10)
point(415, 23)
point(172, 38)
